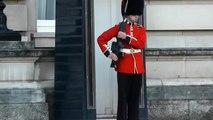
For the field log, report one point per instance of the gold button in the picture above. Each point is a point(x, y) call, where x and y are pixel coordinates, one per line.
point(132, 50)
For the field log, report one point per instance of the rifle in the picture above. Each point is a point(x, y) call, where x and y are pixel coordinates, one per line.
point(116, 46)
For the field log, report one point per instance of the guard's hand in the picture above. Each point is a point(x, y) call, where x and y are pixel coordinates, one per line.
point(113, 56)
point(121, 35)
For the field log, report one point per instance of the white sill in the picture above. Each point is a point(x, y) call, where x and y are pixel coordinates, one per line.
point(46, 26)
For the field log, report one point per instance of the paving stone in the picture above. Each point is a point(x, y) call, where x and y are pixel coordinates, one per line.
point(168, 110)
point(201, 110)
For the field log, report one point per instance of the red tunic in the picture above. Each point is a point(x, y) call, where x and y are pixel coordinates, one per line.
point(129, 63)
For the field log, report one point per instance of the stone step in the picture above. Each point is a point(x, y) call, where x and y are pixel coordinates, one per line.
point(180, 99)
point(22, 96)
point(180, 89)
point(38, 111)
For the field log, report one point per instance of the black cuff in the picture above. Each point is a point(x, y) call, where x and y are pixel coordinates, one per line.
point(107, 53)
point(127, 40)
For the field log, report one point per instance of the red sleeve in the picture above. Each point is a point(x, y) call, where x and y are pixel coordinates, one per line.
point(105, 37)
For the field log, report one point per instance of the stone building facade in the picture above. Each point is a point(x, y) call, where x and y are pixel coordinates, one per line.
point(179, 61)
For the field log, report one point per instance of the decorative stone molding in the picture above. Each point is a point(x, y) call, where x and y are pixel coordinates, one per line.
point(23, 49)
point(179, 51)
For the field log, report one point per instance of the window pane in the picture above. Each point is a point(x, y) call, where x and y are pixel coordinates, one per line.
point(46, 9)
point(50, 10)
point(41, 6)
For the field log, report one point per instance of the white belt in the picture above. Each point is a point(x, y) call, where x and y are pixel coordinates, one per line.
point(130, 51)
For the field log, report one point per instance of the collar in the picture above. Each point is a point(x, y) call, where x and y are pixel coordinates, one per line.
point(130, 23)
point(127, 22)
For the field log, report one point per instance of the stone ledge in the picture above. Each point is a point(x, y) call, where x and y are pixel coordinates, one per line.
point(8, 45)
point(180, 93)
point(43, 35)
point(27, 53)
point(23, 49)
point(180, 82)
point(12, 96)
point(179, 51)
point(180, 89)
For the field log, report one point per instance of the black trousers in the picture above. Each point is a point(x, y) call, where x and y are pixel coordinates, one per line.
point(129, 89)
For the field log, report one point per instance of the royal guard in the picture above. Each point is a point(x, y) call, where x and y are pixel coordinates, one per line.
point(130, 66)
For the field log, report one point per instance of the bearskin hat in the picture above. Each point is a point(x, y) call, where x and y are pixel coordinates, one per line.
point(133, 7)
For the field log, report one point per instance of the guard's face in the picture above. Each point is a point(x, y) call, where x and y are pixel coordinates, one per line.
point(133, 18)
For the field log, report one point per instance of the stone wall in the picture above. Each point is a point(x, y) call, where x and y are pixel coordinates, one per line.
point(26, 74)
point(180, 83)
point(179, 59)
point(26, 67)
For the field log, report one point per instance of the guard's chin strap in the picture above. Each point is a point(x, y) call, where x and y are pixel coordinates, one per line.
point(126, 7)
point(125, 19)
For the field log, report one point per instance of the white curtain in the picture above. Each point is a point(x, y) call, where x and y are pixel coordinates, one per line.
point(46, 9)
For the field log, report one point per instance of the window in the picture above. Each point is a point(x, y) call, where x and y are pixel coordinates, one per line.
point(46, 10)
